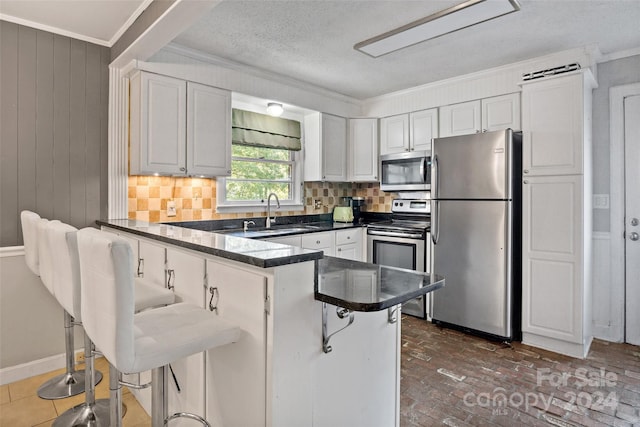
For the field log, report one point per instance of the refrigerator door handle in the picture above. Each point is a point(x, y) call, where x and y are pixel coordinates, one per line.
point(435, 172)
point(435, 219)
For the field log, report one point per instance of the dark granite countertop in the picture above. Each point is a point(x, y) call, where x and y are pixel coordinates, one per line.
point(254, 252)
point(360, 286)
point(285, 225)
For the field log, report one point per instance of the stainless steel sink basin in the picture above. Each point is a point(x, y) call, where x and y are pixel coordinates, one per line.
point(273, 231)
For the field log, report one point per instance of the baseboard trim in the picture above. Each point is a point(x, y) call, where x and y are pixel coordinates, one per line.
point(15, 373)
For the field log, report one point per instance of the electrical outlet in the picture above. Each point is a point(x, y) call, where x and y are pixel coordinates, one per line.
point(80, 357)
point(171, 208)
point(317, 203)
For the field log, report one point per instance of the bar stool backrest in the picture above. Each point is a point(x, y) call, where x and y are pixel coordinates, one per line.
point(45, 256)
point(29, 221)
point(66, 269)
point(107, 296)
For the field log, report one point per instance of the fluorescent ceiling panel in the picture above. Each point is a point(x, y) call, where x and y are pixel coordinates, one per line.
point(455, 18)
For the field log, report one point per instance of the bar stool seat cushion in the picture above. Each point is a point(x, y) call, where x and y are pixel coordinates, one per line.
point(166, 334)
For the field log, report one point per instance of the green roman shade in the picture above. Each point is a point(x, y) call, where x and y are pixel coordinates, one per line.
point(262, 130)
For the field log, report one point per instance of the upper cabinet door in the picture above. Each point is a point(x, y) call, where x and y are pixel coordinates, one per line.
point(394, 134)
point(363, 150)
point(501, 112)
point(208, 131)
point(460, 119)
point(334, 148)
point(553, 126)
point(158, 124)
point(424, 127)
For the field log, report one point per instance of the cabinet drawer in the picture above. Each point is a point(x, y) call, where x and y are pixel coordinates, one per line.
point(317, 240)
point(348, 236)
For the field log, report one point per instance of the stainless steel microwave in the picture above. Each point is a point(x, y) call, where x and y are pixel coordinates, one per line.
point(406, 171)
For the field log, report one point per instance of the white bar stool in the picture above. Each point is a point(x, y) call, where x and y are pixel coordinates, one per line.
point(71, 382)
point(61, 239)
point(150, 339)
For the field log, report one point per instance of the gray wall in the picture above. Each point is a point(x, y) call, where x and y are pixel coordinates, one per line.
point(610, 74)
point(53, 128)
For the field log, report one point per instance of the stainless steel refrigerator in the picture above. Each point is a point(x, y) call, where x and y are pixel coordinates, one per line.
point(475, 230)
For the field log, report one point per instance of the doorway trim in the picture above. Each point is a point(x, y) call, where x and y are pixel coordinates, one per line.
point(617, 204)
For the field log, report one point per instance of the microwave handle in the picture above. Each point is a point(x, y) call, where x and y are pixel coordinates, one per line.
point(423, 163)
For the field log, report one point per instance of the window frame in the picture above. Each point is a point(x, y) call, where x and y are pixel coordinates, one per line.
point(295, 203)
point(297, 173)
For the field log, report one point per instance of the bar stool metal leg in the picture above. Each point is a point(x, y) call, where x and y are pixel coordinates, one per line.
point(160, 401)
point(71, 382)
point(91, 413)
point(115, 397)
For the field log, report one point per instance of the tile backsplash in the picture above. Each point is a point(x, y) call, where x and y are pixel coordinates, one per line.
point(195, 198)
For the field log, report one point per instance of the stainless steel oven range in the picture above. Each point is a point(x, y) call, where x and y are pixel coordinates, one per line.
point(403, 242)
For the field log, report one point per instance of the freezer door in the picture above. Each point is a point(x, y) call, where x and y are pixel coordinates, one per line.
point(472, 166)
point(472, 253)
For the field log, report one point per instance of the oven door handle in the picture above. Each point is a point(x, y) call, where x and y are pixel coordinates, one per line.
point(394, 234)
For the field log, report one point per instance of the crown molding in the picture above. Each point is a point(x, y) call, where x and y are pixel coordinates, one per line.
point(619, 55)
point(54, 30)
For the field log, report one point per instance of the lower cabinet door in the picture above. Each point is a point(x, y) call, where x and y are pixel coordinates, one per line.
point(186, 387)
point(236, 374)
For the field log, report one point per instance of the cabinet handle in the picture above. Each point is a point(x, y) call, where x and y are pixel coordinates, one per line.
point(484, 130)
point(526, 171)
point(339, 249)
point(171, 279)
point(182, 169)
point(140, 271)
point(348, 237)
point(525, 181)
point(214, 294)
point(317, 242)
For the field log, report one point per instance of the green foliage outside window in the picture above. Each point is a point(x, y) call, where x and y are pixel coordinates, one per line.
point(258, 171)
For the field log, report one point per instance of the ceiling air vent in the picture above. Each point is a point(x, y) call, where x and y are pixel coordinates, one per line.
point(551, 71)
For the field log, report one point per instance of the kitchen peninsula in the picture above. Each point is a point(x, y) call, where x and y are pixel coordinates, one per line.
point(321, 340)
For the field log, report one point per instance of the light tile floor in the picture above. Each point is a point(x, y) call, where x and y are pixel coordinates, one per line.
point(21, 407)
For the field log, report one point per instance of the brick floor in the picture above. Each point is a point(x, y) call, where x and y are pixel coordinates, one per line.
point(454, 379)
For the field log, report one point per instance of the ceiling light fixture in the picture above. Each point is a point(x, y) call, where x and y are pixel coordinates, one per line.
point(446, 21)
point(275, 109)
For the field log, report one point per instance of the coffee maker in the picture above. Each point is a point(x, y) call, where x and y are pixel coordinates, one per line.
point(357, 204)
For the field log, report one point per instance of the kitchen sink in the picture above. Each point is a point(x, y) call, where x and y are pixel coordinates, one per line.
point(273, 231)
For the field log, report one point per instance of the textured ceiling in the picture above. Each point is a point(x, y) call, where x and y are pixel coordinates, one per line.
point(312, 40)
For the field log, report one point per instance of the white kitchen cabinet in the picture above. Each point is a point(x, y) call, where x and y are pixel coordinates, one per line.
point(554, 124)
point(408, 132)
point(363, 150)
point(482, 115)
point(294, 240)
point(460, 119)
point(152, 262)
point(325, 155)
point(349, 244)
point(186, 382)
point(237, 373)
point(394, 134)
point(423, 128)
point(322, 241)
point(556, 213)
point(178, 127)
point(208, 131)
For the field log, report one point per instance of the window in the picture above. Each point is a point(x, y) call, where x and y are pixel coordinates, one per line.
point(256, 172)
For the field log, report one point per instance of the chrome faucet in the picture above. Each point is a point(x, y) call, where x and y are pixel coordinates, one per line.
point(269, 220)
